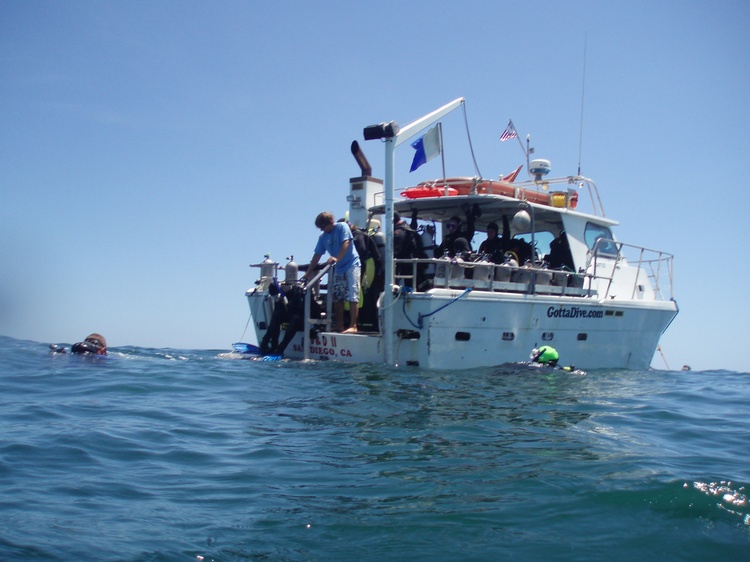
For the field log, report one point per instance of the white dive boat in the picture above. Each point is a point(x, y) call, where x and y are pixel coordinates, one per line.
point(601, 303)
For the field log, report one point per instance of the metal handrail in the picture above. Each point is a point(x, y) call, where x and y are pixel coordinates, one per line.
point(652, 266)
point(308, 308)
point(656, 264)
point(532, 287)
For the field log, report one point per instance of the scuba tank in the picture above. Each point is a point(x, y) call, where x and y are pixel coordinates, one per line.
point(442, 271)
point(428, 244)
point(290, 270)
point(379, 237)
point(483, 270)
point(268, 267)
point(457, 268)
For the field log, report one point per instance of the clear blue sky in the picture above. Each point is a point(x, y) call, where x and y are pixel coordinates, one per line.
point(150, 151)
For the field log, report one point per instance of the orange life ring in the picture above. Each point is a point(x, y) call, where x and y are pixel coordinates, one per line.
point(470, 186)
point(427, 191)
point(467, 186)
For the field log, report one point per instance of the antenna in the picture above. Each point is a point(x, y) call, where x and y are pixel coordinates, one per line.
point(583, 90)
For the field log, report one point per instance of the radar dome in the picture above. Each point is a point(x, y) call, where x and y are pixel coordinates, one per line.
point(539, 168)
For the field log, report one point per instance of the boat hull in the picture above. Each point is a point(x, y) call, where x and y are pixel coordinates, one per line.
point(455, 329)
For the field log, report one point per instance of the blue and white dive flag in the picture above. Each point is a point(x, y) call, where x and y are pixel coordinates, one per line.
point(427, 147)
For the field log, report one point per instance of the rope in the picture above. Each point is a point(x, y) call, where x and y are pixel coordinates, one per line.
point(398, 296)
point(420, 323)
point(468, 135)
point(663, 358)
point(242, 337)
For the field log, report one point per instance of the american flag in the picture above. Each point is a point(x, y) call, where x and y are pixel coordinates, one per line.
point(509, 132)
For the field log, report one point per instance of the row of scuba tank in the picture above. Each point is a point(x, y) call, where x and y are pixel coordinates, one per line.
point(451, 268)
point(269, 268)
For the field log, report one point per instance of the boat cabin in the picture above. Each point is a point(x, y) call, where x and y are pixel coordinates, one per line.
point(552, 248)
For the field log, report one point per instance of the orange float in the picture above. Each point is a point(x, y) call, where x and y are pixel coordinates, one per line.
point(427, 191)
point(479, 186)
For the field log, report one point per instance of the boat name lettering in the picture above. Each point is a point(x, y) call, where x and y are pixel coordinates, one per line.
point(327, 346)
point(573, 312)
point(317, 350)
point(323, 340)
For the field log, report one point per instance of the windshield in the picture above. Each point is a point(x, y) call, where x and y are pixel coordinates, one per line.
point(595, 232)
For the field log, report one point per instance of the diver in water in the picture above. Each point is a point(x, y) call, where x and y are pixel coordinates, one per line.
point(547, 356)
point(94, 344)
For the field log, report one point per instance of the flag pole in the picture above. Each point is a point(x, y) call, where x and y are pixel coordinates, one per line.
point(511, 130)
point(391, 143)
point(525, 152)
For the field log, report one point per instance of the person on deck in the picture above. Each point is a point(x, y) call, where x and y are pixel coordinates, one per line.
point(455, 230)
point(366, 249)
point(494, 247)
point(336, 239)
point(559, 256)
point(407, 244)
point(371, 278)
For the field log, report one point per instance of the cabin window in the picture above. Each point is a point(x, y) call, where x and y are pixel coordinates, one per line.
point(521, 245)
point(543, 239)
point(596, 232)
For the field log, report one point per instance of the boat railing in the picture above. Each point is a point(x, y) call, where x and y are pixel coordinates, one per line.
point(656, 265)
point(487, 276)
point(574, 183)
point(555, 192)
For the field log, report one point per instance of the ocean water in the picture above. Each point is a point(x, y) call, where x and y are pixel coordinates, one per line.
point(159, 454)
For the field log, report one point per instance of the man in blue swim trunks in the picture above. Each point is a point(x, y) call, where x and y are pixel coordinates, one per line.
point(336, 239)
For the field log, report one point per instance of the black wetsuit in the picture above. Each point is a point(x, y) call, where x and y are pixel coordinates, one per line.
point(496, 247)
point(465, 231)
